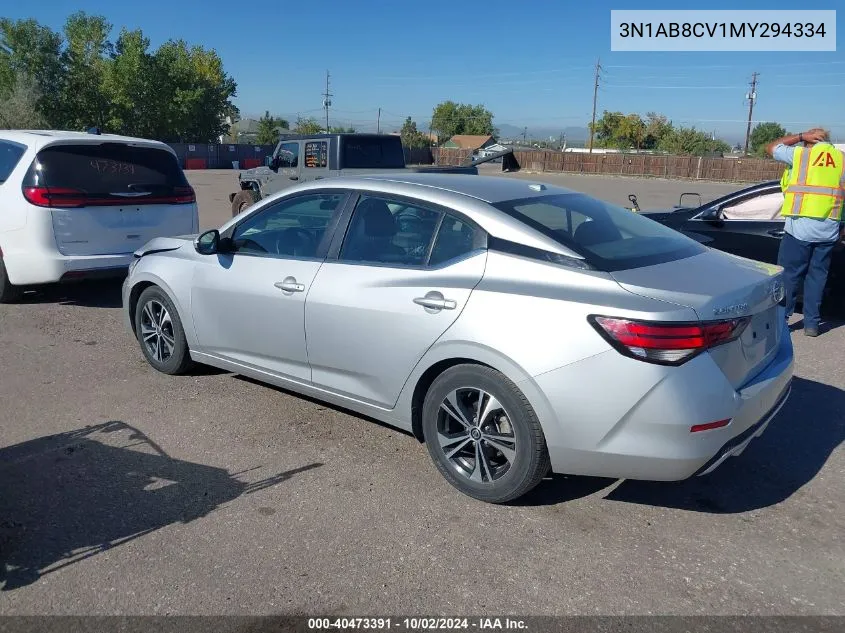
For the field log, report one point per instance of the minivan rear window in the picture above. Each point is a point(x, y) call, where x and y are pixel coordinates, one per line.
point(608, 237)
point(109, 171)
point(362, 152)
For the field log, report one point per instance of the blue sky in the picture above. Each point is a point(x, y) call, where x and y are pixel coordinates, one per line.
point(530, 62)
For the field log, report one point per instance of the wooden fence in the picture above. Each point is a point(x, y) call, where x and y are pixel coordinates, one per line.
point(647, 165)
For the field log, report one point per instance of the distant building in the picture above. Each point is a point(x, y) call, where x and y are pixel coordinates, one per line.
point(470, 141)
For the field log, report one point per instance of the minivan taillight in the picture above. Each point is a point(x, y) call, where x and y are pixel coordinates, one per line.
point(64, 197)
point(54, 196)
point(667, 343)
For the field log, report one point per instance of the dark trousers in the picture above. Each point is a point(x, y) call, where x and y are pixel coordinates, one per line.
point(806, 262)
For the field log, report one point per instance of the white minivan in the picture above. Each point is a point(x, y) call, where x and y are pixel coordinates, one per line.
point(76, 205)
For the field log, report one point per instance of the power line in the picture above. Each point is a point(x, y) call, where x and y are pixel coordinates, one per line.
point(752, 97)
point(595, 98)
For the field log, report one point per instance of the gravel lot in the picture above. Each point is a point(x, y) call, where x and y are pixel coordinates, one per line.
point(124, 491)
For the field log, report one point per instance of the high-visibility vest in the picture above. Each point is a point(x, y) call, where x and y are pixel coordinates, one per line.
point(815, 185)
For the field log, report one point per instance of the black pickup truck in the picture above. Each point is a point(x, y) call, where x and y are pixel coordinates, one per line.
point(299, 158)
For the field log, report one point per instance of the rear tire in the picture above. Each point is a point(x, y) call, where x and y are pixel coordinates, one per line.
point(8, 292)
point(160, 333)
point(242, 201)
point(497, 459)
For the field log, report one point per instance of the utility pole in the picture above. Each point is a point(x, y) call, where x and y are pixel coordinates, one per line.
point(524, 133)
point(327, 102)
point(595, 98)
point(378, 122)
point(752, 97)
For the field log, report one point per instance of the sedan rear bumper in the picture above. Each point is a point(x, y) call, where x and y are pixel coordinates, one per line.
point(636, 422)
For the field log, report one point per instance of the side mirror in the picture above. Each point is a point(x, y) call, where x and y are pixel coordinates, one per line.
point(713, 215)
point(274, 163)
point(208, 243)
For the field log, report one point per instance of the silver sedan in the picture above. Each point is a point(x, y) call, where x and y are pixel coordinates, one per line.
point(517, 329)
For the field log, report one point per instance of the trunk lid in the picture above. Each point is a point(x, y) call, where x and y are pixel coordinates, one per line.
point(108, 198)
point(719, 286)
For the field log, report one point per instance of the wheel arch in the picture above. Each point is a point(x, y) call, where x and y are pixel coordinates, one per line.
point(448, 355)
point(146, 281)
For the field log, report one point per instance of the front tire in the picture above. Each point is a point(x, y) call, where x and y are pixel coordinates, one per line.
point(160, 333)
point(483, 435)
point(8, 292)
point(242, 201)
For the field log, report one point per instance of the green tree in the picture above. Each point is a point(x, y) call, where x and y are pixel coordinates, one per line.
point(31, 51)
point(339, 129)
point(690, 141)
point(656, 127)
point(269, 129)
point(83, 101)
point(307, 125)
point(450, 118)
point(19, 106)
point(411, 136)
point(763, 134)
point(606, 129)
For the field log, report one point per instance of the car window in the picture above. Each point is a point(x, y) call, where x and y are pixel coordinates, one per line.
point(368, 152)
point(765, 207)
point(608, 237)
point(387, 232)
point(109, 171)
point(10, 156)
point(455, 238)
point(289, 228)
point(289, 155)
point(316, 154)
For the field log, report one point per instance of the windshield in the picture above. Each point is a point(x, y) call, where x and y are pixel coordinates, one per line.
point(609, 238)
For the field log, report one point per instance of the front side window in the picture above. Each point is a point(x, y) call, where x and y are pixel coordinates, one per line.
point(385, 231)
point(316, 154)
point(608, 237)
point(289, 155)
point(290, 228)
point(764, 207)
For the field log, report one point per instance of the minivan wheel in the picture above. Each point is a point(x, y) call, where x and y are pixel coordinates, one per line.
point(483, 435)
point(242, 201)
point(160, 332)
point(8, 292)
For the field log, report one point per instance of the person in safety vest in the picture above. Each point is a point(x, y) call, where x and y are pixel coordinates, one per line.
point(813, 185)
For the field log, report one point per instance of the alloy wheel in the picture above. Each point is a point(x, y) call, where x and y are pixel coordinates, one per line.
point(157, 331)
point(476, 435)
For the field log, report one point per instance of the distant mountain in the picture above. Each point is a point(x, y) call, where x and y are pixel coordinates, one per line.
point(573, 134)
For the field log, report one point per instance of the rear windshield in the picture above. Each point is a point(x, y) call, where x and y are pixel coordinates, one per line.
point(10, 154)
point(372, 153)
point(108, 170)
point(608, 237)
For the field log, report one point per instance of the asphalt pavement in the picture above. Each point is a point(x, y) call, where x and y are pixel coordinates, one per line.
point(124, 491)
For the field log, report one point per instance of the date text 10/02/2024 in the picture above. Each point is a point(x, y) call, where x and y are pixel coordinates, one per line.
point(416, 624)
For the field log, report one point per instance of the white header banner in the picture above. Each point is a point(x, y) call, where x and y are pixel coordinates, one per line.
point(685, 30)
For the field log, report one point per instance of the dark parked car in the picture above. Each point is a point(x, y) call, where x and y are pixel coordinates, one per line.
point(746, 223)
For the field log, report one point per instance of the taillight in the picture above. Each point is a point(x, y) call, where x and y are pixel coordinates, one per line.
point(54, 196)
point(64, 197)
point(667, 343)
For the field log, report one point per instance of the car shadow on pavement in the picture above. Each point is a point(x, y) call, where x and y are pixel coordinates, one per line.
point(789, 454)
point(70, 496)
point(88, 294)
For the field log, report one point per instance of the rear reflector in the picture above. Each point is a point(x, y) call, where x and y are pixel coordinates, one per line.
point(63, 197)
point(709, 426)
point(666, 343)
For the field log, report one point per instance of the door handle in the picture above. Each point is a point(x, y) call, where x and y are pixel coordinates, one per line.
point(435, 303)
point(289, 285)
point(294, 177)
point(777, 232)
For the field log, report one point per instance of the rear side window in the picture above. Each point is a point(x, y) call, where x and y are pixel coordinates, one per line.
point(316, 154)
point(609, 238)
point(108, 171)
point(362, 152)
point(10, 156)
